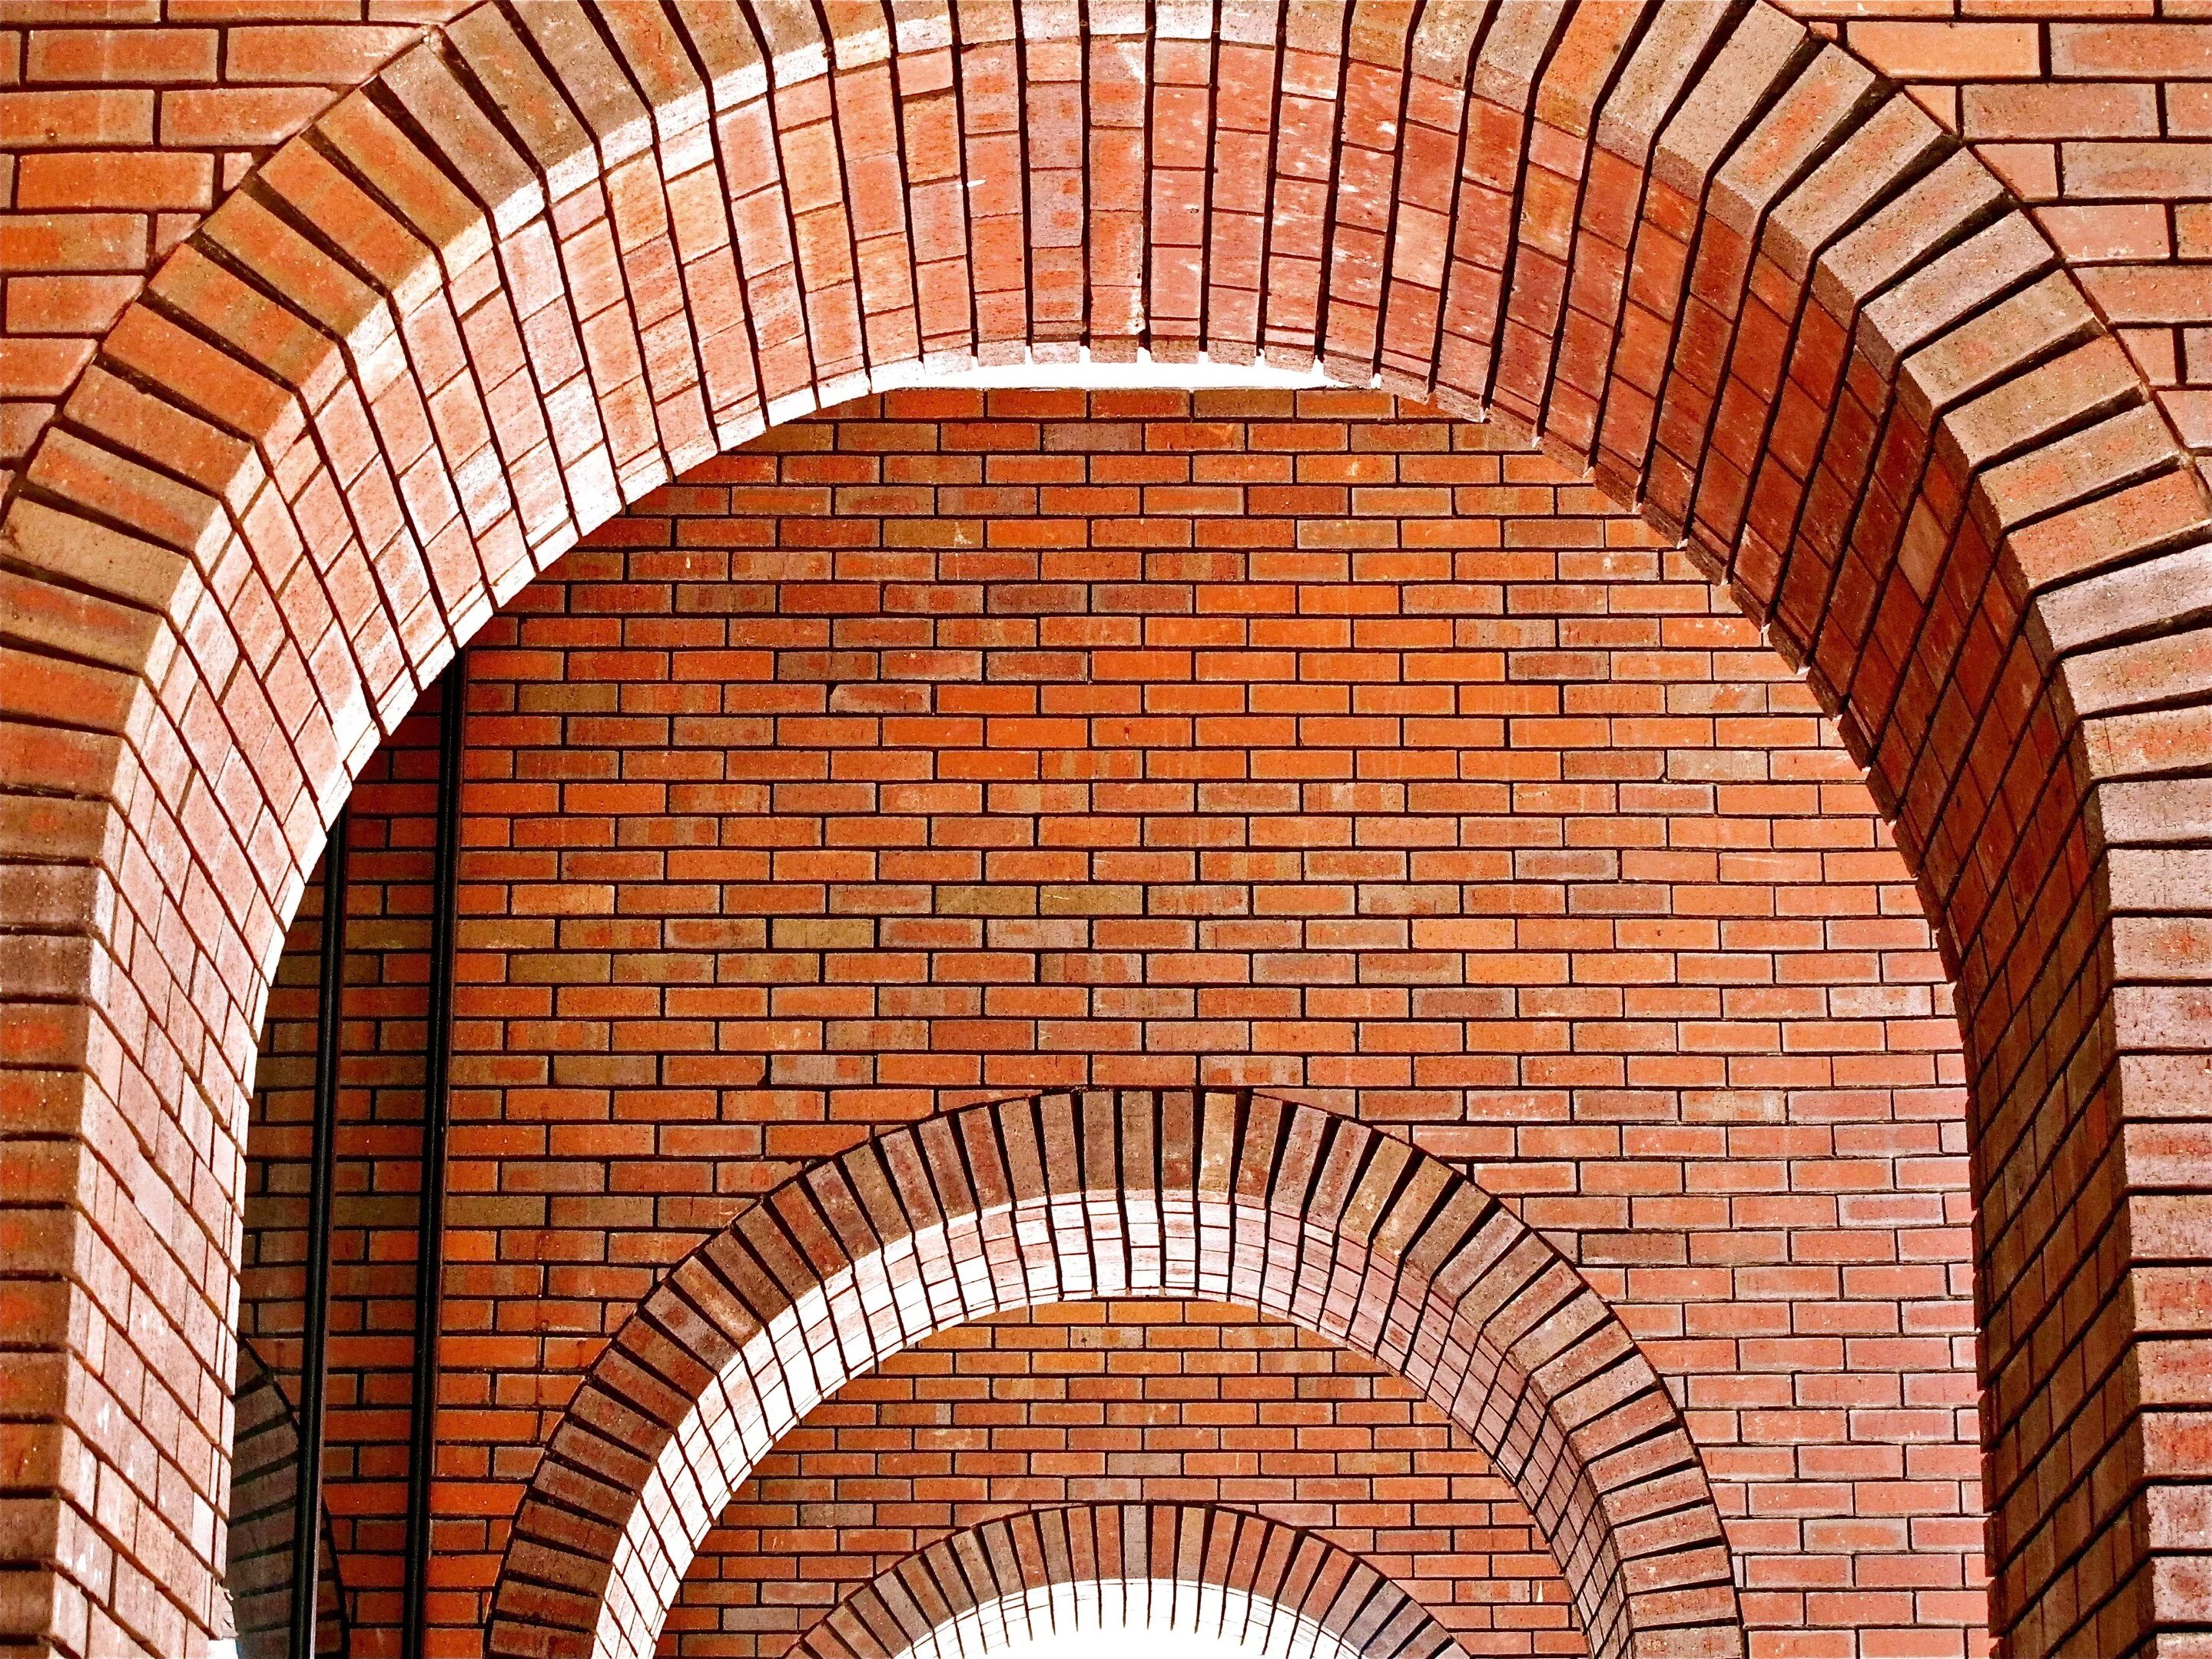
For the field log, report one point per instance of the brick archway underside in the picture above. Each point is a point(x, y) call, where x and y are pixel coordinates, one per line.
point(552, 257)
point(1286, 1209)
point(1132, 1567)
point(258, 1574)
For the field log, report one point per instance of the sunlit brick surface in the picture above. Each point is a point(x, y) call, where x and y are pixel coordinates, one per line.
point(125, 124)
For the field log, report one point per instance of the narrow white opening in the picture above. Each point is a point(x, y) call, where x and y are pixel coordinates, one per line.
point(1146, 374)
point(1117, 1618)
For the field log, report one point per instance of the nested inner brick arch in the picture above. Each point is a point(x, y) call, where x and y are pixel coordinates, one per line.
point(548, 260)
point(1168, 1406)
point(972, 743)
point(264, 1468)
point(1299, 1212)
point(1132, 1567)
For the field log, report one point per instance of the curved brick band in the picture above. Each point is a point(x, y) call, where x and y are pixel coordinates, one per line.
point(1134, 1568)
point(264, 1465)
point(523, 277)
point(1288, 1209)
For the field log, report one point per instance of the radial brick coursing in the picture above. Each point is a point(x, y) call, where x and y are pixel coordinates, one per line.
point(125, 130)
point(1133, 1567)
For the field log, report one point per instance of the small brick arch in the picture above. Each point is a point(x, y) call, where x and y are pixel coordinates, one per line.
point(258, 1575)
point(1138, 1567)
point(1227, 1194)
point(553, 256)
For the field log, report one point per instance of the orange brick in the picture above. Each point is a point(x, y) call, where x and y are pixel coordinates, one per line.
point(2133, 49)
point(133, 57)
point(2023, 110)
point(2106, 172)
point(67, 304)
point(1918, 51)
point(42, 367)
point(96, 179)
point(72, 241)
point(335, 56)
point(63, 120)
point(215, 116)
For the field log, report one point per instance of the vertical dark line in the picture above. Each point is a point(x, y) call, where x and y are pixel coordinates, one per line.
point(958, 72)
point(430, 1216)
point(1514, 251)
point(1339, 117)
point(831, 72)
point(1622, 59)
point(1203, 252)
point(1474, 47)
point(1022, 121)
point(901, 115)
point(1389, 262)
point(1147, 108)
point(745, 276)
point(1084, 42)
point(315, 1311)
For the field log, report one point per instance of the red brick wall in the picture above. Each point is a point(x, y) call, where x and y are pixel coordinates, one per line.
point(1122, 1402)
point(123, 122)
point(967, 747)
point(2100, 118)
point(331, 459)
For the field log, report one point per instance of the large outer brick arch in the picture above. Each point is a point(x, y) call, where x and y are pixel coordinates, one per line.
point(1136, 1567)
point(1288, 1209)
point(520, 278)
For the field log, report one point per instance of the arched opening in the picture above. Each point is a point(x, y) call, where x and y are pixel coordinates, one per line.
point(1217, 1579)
point(1122, 1405)
point(1481, 818)
point(521, 280)
point(1299, 1213)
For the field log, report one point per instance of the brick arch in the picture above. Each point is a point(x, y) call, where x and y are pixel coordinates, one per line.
point(522, 277)
point(258, 1574)
point(1288, 1209)
point(1136, 1567)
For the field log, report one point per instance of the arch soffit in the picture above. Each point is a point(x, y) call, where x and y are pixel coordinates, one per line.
point(535, 269)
